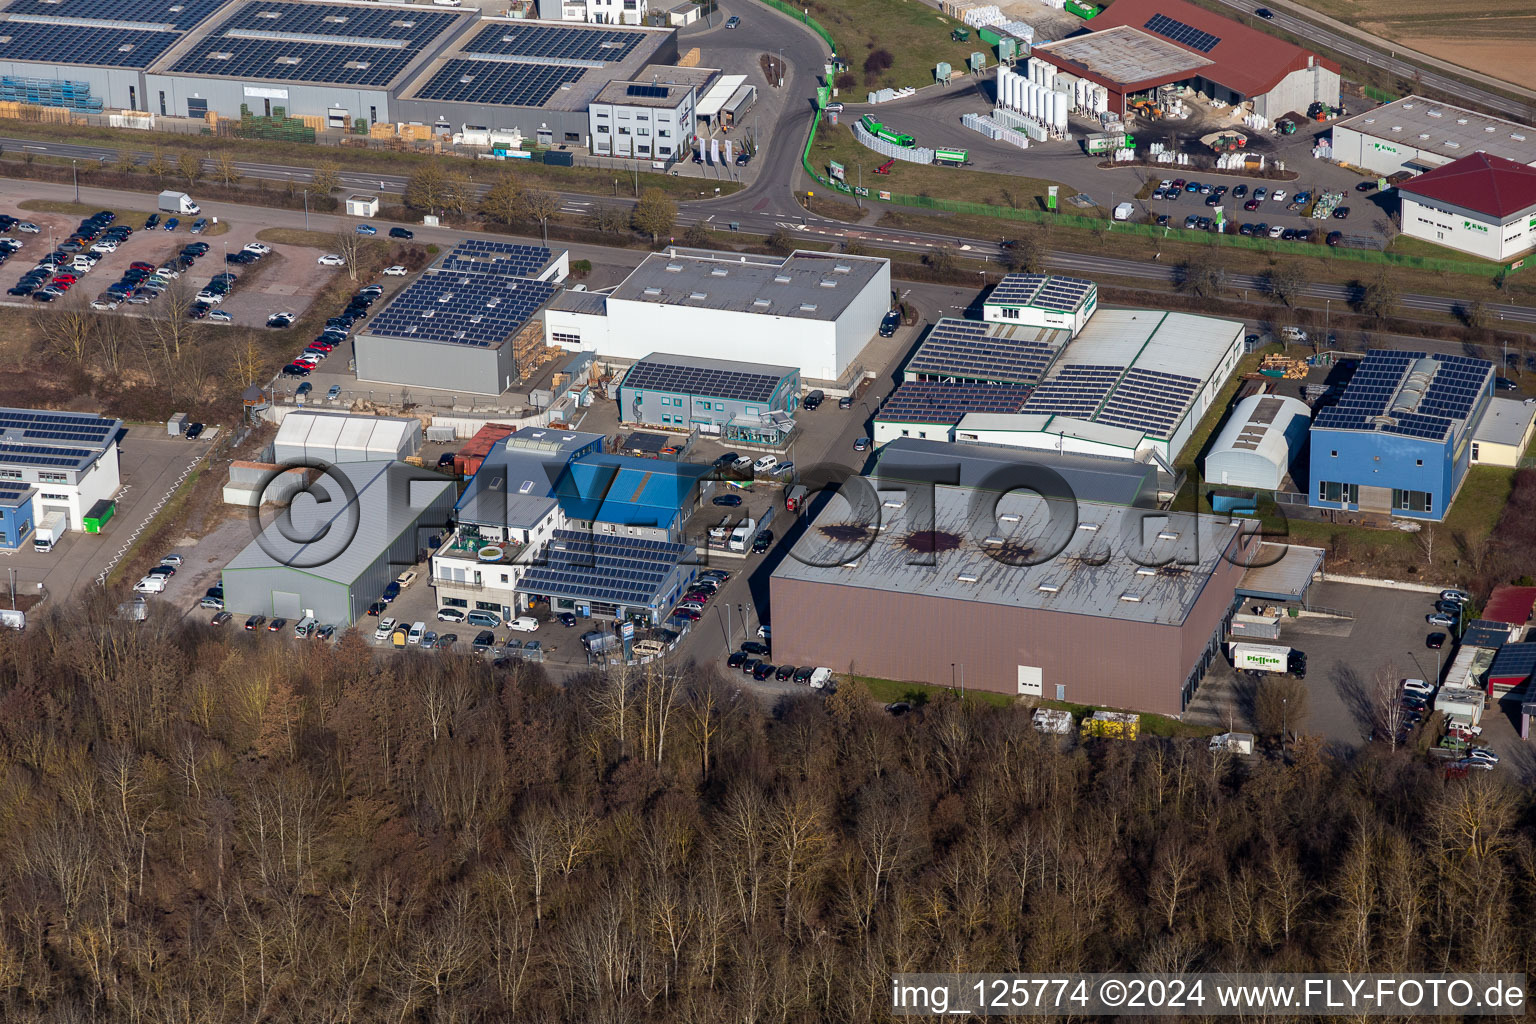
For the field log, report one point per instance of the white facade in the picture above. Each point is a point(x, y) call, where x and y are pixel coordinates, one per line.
point(328, 437)
point(1416, 134)
point(890, 430)
point(1504, 433)
point(100, 481)
point(643, 132)
point(468, 582)
point(1468, 231)
point(605, 12)
point(1042, 432)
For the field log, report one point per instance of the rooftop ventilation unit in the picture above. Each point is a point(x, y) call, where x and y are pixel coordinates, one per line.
point(1048, 588)
point(761, 303)
point(674, 268)
point(1090, 527)
point(965, 577)
point(781, 279)
point(1435, 113)
point(1130, 598)
point(827, 282)
point(718, 271)
point(807, 307)
point(841, 268)
point(698, 296)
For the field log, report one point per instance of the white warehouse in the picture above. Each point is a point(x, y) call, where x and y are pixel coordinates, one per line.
point(815, 311)
point(1258, 443)
point(70, 457)
point(1415, 134)
point(332, 437)
point(1481, 204)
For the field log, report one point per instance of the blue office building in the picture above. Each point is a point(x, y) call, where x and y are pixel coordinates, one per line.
point(15, 514)
point(621, 494)
point(1398, 441)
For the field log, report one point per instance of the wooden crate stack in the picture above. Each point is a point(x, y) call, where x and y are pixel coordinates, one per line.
point(1294, 369)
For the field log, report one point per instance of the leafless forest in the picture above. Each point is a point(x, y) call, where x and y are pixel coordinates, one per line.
point(199, 826)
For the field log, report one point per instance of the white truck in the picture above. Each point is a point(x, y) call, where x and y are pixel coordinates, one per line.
point(178, 203)
point(49, 532)
point(1248, 657)
point(741, 537)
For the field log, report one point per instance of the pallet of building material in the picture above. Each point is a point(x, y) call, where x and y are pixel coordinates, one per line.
point(689, 59)
point(314, 122)
point(416, 132)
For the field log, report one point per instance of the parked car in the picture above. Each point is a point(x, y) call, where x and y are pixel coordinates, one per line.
point(762, 542)
point(1341, 213)
point(813, 399)
point(330, 259)
point(1438, 619)
point(333, 393)
point(763, 671)
point(391, 591)
point(1435, 641)
point(395, 271)
point(194, 431)
point(199, 225)
point(405, 233)
point(367, 229)
point(1505, 384)
point(220, 618)
point(726, 500)
point(255, 622)
point(484, 641)
point(1459, 596)
point(889, 323)
point(736, 660)
point(861, 444)
point(171, 224)
point(450, 615)
point(566, 619)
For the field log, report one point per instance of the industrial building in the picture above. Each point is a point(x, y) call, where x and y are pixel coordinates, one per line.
point(1053, 433)
point(632, 496)
point(1480, 204)
point(601, 576)
point(1143, 370)
point(533, 76)
point(323, 438)
point(929, 410)
point(812, 310)
point(1257, 445)
point(16, 516)
point(467, 323)
point(1046, 301)
point(70, 457)
point(332, 556)
point(1414, 135)
point(1136, 46)
point(652, 117)
point(1038, 587)
point(1504, 434)
point(988, 468)
point(697, 393)
point(957, 351)
point(506, 513)
point(1398, 441)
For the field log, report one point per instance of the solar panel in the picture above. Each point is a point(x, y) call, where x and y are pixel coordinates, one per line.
point(1045, 291)
point(967, 350)
point(1410, 394)
point(482, 81)
point(485, 255)
point(345, 45)
point(708, 382)
point(927, 402)
point(475, 296)
point(593, 46)
point(173, 15)
point(655, 92)
point(81, 45)
point(598, 567)
point(1177, 31)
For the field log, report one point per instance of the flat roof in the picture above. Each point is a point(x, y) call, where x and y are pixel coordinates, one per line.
point(1049, 423)
point(599, 568)
point(1281, 572)
point(711, 102)
point(98, 33)
point(1505, 421)
point(931, 402)
point(802, 285)
point(627, 490)
point(656, 85)
point(592, 303)
point(1125, 55)
point(54, 440)
point(711, 378)
point(1411, 394)
point(1093, 557)
point(987, 351)
point(515, 484)
point(551, 65)
point(996, 468)
point(1445, 130)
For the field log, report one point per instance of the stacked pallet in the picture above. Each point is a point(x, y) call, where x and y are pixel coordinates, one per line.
point(314, 122)
point(1289, 369)
point(415, 132)
point(689, 59)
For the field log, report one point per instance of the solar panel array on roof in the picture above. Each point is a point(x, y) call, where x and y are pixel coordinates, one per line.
point(485, 81)
point(1045, 291)
point(1075, 391)
point(476, 296)
point(315, 43)
point(555, 43)
point(710, 382)
point(1188, 35)
point(927, 402)
point(92, 46)
point(1514, 660)
point(41, 426)
point(175, 15)
point(970, 349)
point(1149, 401)
point(655, 92)
point(485, 255)
point(597, 567)
point(1409, 393)
point(12, 493)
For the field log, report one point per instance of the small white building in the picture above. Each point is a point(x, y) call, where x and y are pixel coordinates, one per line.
point(812, 310)
point(651, 117)
point(1481, 204)
point(332, 437)
point(1258, 442)
point(1504, 433)
point(362, 206)
point(70, 457)
point(1045, 432)
point(1041, 300)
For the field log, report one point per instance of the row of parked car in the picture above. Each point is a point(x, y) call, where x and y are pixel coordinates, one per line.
point(155, 580)
point(752, 659)
point(336, 330)
point(60, 270)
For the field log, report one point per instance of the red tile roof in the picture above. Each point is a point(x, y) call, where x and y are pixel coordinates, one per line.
point(1478, 181)
point(1248, 61)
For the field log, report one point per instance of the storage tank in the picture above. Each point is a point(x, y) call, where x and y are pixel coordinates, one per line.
point(1101, 99)
point(1049, 76)
point(1078, 93)
point(1016, 92)
point(1059, 111)
point(1027, 105)
point(1034, 101)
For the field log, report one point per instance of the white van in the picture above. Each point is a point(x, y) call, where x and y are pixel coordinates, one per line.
point(765, 463)
point(524, 624)
point(386, 626)
point(417, 628)
point(820, 678)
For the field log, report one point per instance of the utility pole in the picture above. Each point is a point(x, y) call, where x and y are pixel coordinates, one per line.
point(74, 171)
point(306, 209)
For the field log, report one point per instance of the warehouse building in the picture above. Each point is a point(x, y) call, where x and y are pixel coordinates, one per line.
point(629, 496)
point(323, 438)
point(928, 410)
point(1398, 441)
point(1142, 370)
point(332, 556)
point(1504, 434)
point(16, 516)
point(1260, 440)
point(696, 393)
point(1049, 432)
point(1037, 588)
point(70, 457)
point(652, 117)
point(1414, 134)
point(342, 61)
point(596, 575)
point(1045, 301)
point(1481, 204)
point(467, 324)
point(960, 351)
point(812, 310)
point(987, 468)
point(534, 76)
point(1135, 46)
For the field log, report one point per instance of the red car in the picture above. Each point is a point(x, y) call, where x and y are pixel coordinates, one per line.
point(71, 278)
point(1250, 205)
point(141, 265)
point(685, 613)
point(62, 286)
point(702, 595)
point(322, 346)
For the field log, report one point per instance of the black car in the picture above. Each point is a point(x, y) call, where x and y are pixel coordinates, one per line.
point(889, 324)
point(814, 399)
point(484, 641)
point(401, 233)
point(1265, 13)
point(1334, 237)
point(22, 289)
point(377, 608)
point(566, 619)
point(736, 660)
point(763, 670)
point(785, 673)
point(1505, 384)
point(750, 665)
point(803, 673)
point(295, 370)
point(194, 431)
point(727, 500)
point(1240, 192)
point(240, 258)
point(200, 248)
point(762, 542)
point(846, 402)
point(445, 460)
point(755, 648)
point(727, 460)
point(1342, 213)
point(1365, 186)
point(151, 222)
point(1435, 641)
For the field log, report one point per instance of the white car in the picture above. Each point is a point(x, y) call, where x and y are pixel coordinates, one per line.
point(330, 259)
point(386, 627)
point(1418, 686)
point(447, 3)
point(28, 227)
point(765, 463)
point(172, 560)
point(1278, 195)
point(406, 578)
point(212, 298)
point(1482, 754)
point(257, 247)
point(218, 316)
point(104, 247)
point(104, 304)
point(395, 271)
point(450, 615)
point(150, 585)
point(524, 624)
point(1276, 231)
point(1459, 596)
point(764, 633)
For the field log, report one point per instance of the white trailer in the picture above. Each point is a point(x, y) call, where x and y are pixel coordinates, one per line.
point(1248, 657)
point(48, 532)
point(177, 203)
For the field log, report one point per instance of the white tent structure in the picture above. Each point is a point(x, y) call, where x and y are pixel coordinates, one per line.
point(1256, 445)
point(332, 438)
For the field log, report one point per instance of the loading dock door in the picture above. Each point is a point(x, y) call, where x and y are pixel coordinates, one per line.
point(336, 118)
point(285, 604)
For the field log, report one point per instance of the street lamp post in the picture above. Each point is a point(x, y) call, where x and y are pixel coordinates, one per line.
point(74, 172)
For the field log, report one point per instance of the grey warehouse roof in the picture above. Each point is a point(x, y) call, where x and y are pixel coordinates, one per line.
point(997, 468)
point(1444, 130)
point(569, 301)
point(54, 440)
point(802, 285)
point(1096, 560)
point(710, 378)
point(1504, 422)
point(336, 535)
point(515, 484)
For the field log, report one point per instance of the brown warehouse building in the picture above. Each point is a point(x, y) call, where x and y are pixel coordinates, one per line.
point(1128, 612)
